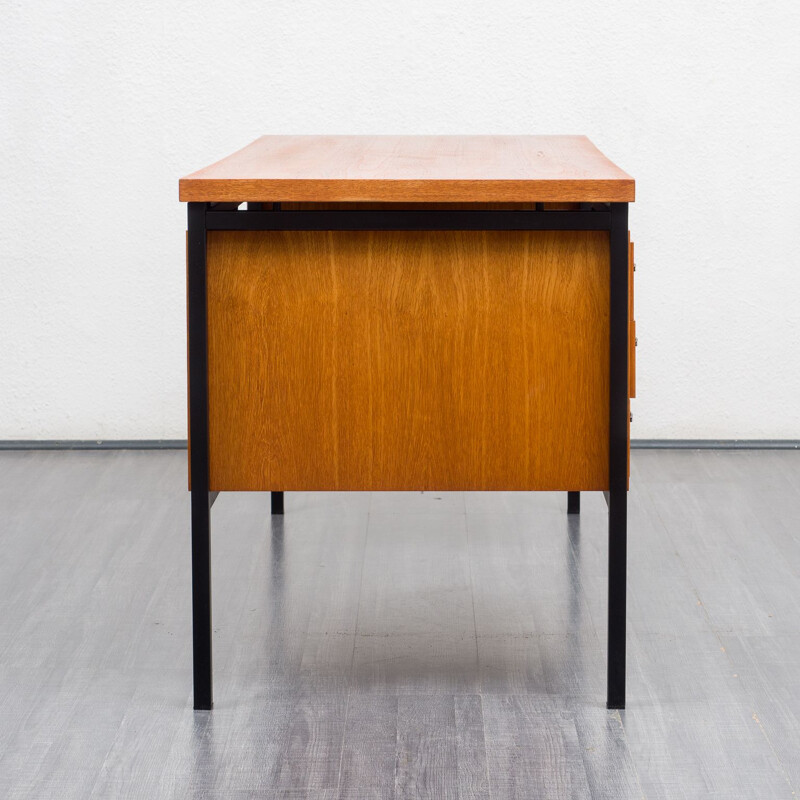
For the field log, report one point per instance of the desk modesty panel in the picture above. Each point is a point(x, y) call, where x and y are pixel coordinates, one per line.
point(408, 360)
point(410, 313)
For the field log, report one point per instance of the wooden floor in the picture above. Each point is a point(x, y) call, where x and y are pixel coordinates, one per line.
point(399, 645)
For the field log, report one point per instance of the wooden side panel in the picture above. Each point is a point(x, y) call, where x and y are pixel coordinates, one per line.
point(408, 360)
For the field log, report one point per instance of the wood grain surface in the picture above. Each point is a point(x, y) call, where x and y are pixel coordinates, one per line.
point(412, 169)
point(408, 360)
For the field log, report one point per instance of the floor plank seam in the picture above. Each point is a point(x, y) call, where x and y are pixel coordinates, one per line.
point(351, 680)
point(477, 652)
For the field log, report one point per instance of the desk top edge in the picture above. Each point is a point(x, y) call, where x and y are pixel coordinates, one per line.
point(412, 169)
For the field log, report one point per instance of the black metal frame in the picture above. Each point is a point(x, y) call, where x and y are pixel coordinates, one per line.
point(199, 458)
point(611, 217)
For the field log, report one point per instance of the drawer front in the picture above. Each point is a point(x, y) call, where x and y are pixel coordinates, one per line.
point(631, 344)
point(631, 324)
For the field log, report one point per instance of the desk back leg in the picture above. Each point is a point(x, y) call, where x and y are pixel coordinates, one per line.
point(199, 461)
point(276, 498)
point(618, 455)
point(573, 502)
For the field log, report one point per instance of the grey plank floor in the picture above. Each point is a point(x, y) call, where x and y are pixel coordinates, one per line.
point(399, 645)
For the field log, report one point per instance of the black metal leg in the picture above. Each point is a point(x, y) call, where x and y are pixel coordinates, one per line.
point(617, 558)
point(199, 471)
point(618, 455)
point(573, 502)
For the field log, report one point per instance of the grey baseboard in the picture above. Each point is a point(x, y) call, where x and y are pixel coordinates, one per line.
point(93, 444)
point(715, 444)
point(180, 444)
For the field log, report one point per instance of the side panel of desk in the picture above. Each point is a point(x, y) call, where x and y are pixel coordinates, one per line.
point(408, 360)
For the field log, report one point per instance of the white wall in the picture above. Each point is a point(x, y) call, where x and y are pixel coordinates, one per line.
point(106, 104)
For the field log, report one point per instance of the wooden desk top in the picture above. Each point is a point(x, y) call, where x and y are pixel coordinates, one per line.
point(410, 169)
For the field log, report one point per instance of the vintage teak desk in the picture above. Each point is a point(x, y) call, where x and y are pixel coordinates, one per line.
point(410, 313)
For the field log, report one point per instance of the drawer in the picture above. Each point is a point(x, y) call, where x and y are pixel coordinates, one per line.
point(631, 346)
point(631, 324)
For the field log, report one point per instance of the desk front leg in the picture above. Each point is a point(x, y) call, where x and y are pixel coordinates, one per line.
point(199, 458)
point(618, 454)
